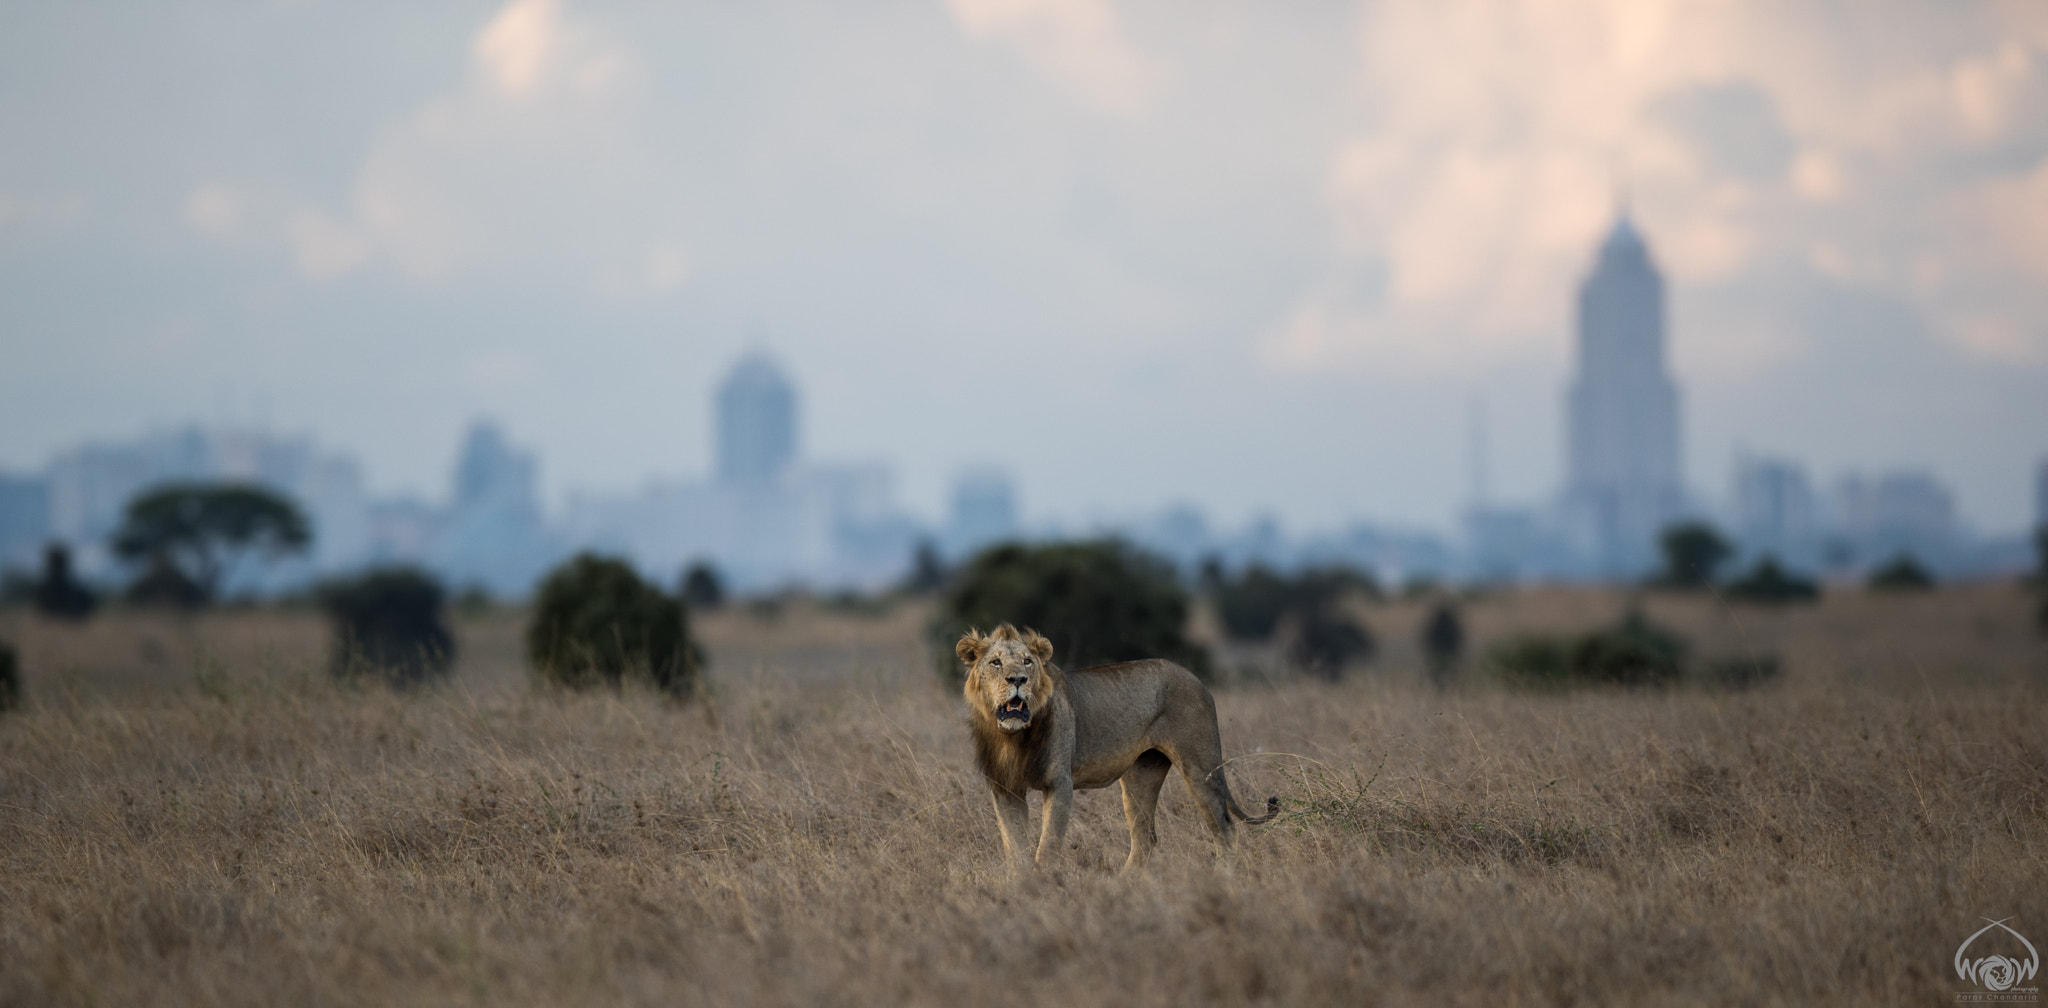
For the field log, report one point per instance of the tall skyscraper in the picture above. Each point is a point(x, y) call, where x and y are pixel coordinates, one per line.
point(756, 423)
point(1623, 486)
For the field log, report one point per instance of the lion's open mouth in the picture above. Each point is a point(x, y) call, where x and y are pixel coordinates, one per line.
point(1013, 709)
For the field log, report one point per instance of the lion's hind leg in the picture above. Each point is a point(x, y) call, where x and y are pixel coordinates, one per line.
point(1202, 777)
point(1141, 803)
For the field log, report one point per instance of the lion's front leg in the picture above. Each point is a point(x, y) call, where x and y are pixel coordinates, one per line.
point(1013, 817)
point(1059, 803)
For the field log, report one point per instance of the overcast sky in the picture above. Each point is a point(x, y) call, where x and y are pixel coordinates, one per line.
point(1257, 257)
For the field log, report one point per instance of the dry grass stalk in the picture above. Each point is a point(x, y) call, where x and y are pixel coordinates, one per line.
point(192, 813)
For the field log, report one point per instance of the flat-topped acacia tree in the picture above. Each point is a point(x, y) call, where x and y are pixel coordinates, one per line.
point(203, 530)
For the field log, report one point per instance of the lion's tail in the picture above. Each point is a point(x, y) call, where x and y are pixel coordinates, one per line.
point(1272, 809)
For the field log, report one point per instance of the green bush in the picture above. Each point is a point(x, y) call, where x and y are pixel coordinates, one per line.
point(1532, 660)
point(10, 678)
point(1634, 652)
point(1327, 641)
point(1902, 574)
point(1443, 642)
point(596, 622)
point(59, 594)
point(2040, 577)
point(1098, 602)
point(1692, 551)
point(388, 624)
point(163, 585)
point(1767, 582)
point(702, 587)
point(1251, 605)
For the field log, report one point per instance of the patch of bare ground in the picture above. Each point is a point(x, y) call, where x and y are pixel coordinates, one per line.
point(191, 813)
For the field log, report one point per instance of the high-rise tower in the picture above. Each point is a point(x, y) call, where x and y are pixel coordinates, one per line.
point(756, 423)
point(1624, 485)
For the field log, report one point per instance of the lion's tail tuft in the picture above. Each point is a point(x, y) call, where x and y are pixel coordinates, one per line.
point(1272, 809)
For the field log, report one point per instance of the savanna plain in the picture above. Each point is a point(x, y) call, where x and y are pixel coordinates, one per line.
point(193, 812)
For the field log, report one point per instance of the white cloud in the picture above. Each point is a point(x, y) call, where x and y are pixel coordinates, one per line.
point(215, 209)
point(1079, 44)
point(535, 162)
point(499, 370)
point(324, 247)
point(1499, 130)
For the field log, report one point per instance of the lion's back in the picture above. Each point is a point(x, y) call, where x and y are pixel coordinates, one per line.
point(1118, 707)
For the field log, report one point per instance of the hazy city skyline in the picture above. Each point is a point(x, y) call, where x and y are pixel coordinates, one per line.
point(767, 518)
point(1132, 253)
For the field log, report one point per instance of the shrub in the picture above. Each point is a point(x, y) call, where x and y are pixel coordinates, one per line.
point(1692, 551)
point(1768, 582)
point(1098, 602)
point(1326, 642)
point(702, 587)
point(2040, 578)
point(1252, 605)
point(58, 593)
point(10, 678)
point(1443, 642)
point(1902, 574)
point(1534, 660)
point(596, 622)
point(387, 623)
point(163, 585)
point(1634, 652)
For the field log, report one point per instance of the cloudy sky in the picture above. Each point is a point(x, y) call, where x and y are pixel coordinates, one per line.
point(1258, 257)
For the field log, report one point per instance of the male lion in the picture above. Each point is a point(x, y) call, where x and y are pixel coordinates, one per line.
point(1036, 727)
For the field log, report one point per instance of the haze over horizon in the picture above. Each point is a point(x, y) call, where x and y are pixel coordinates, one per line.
point(1135, 253)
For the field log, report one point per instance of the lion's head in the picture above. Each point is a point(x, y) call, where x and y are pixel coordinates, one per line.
point(1010, 674)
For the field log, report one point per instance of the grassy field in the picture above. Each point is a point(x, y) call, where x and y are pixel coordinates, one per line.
point(191, 813)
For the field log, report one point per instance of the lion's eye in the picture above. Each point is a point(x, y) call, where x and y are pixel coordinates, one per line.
point(1027, 661)
point(995, 663)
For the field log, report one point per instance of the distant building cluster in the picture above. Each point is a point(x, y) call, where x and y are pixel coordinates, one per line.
point(80, 496)
point(766, 517)
point(1624, 483)
point(763, 518)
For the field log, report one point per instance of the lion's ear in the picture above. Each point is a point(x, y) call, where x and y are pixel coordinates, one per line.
point(970, 647)
point(1040, 648)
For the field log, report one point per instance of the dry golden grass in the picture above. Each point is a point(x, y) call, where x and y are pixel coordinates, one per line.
point(190, 813)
